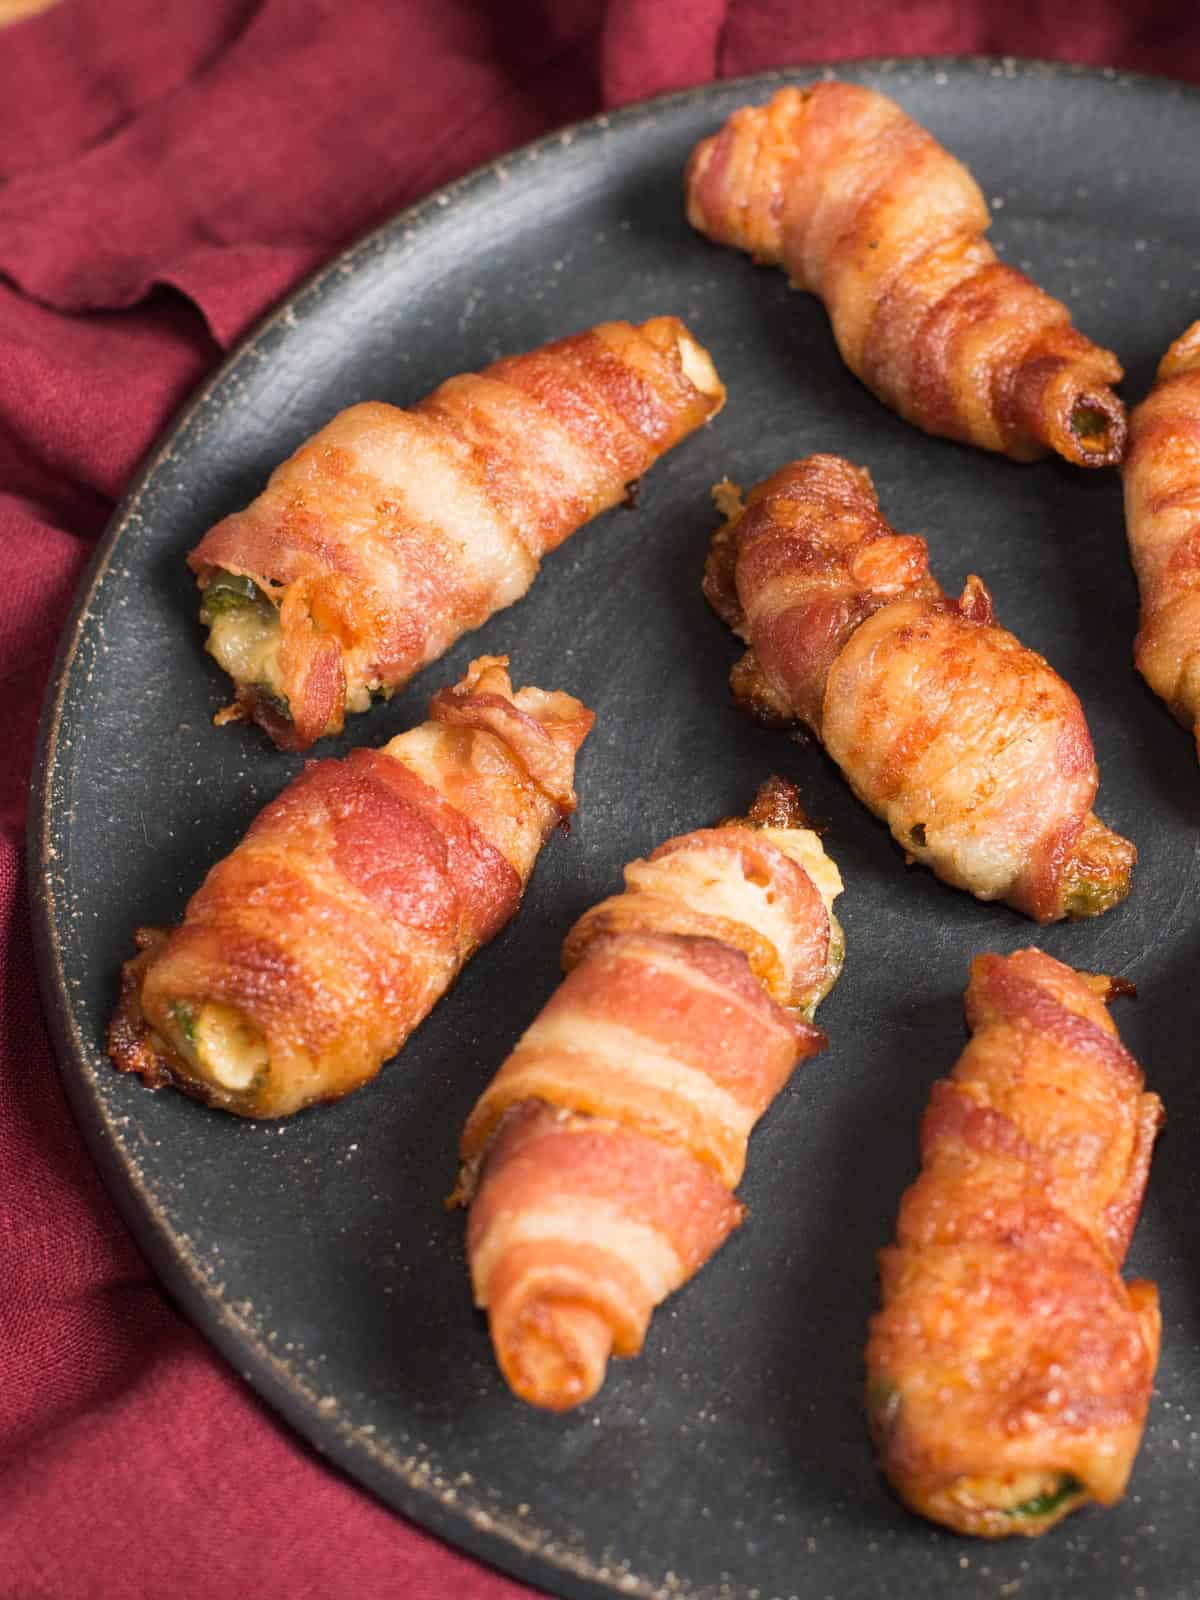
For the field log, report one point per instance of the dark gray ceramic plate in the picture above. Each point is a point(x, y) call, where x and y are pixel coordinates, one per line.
point(731, 1458)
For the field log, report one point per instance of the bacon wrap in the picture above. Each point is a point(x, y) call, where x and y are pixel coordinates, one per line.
point(969, 745)
point(1009, 1355)
point(863, 208)
point(353, 902)
point(1161, 475)
point(390, 533)
point(599, 1163)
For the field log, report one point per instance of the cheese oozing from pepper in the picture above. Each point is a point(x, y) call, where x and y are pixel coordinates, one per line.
point(219, 1044)
point(245, 641)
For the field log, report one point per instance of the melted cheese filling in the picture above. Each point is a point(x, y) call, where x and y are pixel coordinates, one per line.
point(697, 366)
point(716, 885)
point(803, 847)
point(1009, 1492)
point(221, 1044)
point(246, 643)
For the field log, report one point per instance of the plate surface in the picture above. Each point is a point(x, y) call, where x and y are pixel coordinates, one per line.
point(730, 1459)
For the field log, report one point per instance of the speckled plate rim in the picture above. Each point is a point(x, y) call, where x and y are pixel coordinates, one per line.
point(409, 1485)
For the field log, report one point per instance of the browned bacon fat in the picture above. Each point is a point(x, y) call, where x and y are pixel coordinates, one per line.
point(309, 954)
point(1162, 516)
point(1010, 1369)
point(865, 209)
point(600, 1163)
point(390, 533)
point(969, 746)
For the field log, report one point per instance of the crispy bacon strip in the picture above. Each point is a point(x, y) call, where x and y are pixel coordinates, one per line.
point(863, 208)
point(970, 746)
point(600, 1163)
point(1010, 1369)
point(309, 954)
point(390, 533)
point(1161, 474)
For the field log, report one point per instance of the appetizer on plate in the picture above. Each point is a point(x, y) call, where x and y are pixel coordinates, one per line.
point(1010, 1369)
point(312, 951)
point(969, 745)
point(390, 533)
point(863, 208)
point(600, 1163)
point(1162, 515)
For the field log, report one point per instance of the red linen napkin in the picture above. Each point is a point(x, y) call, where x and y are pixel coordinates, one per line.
point(167, 169)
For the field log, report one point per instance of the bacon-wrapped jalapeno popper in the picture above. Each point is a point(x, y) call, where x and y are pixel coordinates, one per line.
point(312, 951)
point(969, 745)
point(390, 533)
point(863, 208)
point(1162, 516)
point(1010, 1369)
point(600, 1163)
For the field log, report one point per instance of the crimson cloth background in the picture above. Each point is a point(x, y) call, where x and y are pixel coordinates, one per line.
point(167, 169)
